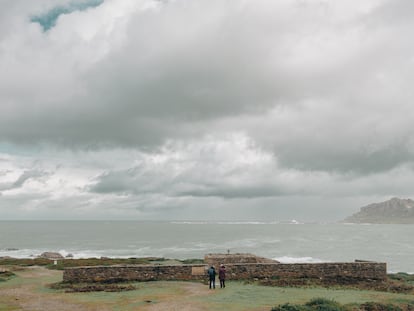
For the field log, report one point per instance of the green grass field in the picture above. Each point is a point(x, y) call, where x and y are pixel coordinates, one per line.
point(236, 296)
point(33, 283)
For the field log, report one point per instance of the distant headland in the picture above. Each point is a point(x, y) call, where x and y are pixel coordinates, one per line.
point(393, 211)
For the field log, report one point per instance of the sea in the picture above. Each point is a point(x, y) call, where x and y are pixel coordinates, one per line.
point(291, 242)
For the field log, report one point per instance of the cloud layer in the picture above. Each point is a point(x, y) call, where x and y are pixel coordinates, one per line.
point(167, 108)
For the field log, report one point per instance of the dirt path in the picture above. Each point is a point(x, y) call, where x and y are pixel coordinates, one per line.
point(25, 294)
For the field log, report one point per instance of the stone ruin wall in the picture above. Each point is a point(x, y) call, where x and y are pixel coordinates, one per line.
point(352, 271)
point(134, 273)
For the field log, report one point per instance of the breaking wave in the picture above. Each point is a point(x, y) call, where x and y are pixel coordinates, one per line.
point(287, 259)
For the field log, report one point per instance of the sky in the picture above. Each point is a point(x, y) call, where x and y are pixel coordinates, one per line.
point(204, 110)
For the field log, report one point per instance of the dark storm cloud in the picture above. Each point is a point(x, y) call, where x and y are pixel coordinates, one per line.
point(232, 192)
point(34, 174)
point(128, 183)
point(147, 104)
point(173, 70)
point(151, 75)
point(121, 182)
point(24, 177)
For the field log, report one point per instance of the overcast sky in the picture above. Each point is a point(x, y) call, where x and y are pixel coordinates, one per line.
point(194, 109)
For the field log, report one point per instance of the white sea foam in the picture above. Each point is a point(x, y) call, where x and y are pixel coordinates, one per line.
point(220, 222)
point(20, 253)
point(189, 222)
point(233, 222)
point(287, 259)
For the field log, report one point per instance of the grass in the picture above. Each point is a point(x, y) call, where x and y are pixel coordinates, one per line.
point(192, 261)
point(8, 307)
point(144, 294)
point(25, 262)
point(401, 276)
point(323, 304)
point(237, 295)
point(241, 296)
point(68, 263)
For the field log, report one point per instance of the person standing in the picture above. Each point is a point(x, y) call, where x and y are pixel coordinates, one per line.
point(222, 276)
point(212, 277)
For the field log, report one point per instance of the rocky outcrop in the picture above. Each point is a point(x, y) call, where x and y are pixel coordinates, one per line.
point(394, 211)
point(51, 255)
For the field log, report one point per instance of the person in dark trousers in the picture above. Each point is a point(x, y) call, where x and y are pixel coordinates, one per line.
point(222, 276)
point(212, 276)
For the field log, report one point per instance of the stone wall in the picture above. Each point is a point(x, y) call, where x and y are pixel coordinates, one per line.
point(353, 271)
point(134, 273)
point(356, 271)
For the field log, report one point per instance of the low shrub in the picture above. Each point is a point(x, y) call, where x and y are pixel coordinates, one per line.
point(6, 275)
point(322, 304)
point(375, 306)
point(289, 307)
point(192, 261)
point(85, 287)
point(402, 276)
point(316, 304)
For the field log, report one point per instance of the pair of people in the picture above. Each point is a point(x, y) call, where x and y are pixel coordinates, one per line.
point(212, 276)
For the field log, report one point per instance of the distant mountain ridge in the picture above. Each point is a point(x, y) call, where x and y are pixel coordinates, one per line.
point(393, 211)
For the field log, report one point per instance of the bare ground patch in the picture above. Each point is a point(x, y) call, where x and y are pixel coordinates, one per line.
point(24, 294)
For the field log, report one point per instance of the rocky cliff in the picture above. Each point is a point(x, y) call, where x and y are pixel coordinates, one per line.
point(394, 211)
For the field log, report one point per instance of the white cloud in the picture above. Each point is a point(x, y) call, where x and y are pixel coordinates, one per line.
point(156, 107)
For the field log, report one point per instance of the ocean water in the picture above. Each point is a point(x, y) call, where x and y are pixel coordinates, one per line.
point(287, 243)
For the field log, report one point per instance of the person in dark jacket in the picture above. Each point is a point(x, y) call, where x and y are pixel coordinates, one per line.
point(212, 277)
point(222, 276)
